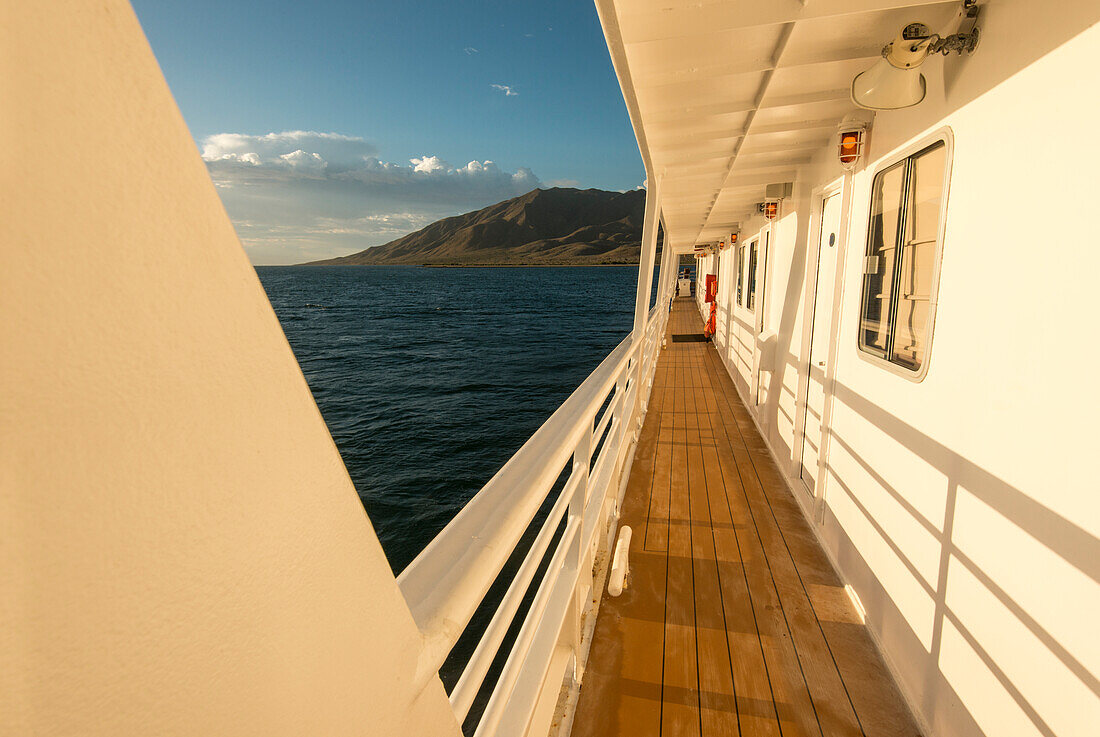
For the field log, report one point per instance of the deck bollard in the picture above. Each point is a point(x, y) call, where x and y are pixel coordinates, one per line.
point(620, 564)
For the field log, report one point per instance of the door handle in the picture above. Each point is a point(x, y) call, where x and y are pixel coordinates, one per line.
point(821, 364)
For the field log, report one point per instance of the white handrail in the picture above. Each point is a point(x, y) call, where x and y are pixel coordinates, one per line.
point(462, 696)
point(447, 582)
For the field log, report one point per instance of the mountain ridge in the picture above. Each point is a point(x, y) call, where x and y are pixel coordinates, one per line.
point(552, 227)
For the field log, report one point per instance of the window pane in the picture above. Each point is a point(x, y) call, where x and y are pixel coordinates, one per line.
point(752, 276)
point(918, 256)
point(925, 193)
point(879, 265)
point(740, 274)
point(763, 275)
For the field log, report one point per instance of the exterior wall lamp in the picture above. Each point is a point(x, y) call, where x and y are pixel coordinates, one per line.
point(851, 140)
point(895, 81)
point(773, 194)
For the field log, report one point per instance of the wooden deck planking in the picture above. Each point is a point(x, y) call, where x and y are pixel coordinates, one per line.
point(733, 622)
point(655, 525)
point(679, 695)
point(717, 700)
point(812, 657)
point(878, 707)
point(755, 705)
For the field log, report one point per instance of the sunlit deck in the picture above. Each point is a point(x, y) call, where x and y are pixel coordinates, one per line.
point(733, 622)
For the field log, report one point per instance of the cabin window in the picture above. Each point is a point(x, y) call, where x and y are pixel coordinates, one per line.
point(740, 275)
point(764, 274)
point(751, 297)
point(899, 268)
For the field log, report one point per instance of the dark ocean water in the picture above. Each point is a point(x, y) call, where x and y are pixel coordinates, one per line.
point(430, 379)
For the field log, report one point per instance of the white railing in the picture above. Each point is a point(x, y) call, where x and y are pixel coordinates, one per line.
point(447, 582)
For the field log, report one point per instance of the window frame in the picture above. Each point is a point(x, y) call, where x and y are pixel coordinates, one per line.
point(946, 137)
point(752, 259)
point(761, 279)
point(739, 264)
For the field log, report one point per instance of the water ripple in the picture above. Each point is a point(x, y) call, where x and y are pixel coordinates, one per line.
point(430, 379)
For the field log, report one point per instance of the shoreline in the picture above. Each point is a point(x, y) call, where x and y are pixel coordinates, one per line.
point(461, 266)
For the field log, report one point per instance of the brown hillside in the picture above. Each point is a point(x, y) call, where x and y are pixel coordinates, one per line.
point(544, 226)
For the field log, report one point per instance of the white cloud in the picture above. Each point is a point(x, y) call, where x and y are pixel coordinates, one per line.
point(333, 148)
point(302, 195)
point(470, 50)
point(564, 183)
point(506, 89)
point(429, 164)
point(299, 159)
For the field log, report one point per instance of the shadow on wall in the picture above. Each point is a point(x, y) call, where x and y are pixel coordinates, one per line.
point(1074, 545)
point(1031, 29)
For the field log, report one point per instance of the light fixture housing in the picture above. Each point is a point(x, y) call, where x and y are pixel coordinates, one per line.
point(894, 81)
point(773, 195)
point(851, 141)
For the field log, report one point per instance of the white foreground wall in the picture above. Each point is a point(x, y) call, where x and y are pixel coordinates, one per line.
point(181, 549)
point(963, 509)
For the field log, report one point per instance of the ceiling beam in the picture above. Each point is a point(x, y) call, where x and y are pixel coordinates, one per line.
point(777, 55)
point(682, 79)
point(752, 150)
point(701, 19)
point(798, 125)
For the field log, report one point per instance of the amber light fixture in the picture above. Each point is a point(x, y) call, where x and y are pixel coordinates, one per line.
point(850, 144)
point(851, 138)
point(771, 210)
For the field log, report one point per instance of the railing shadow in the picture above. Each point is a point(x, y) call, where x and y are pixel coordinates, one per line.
point(1069, 541)
point(1061, 536)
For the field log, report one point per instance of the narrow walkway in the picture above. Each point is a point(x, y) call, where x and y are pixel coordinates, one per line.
point(734, 623)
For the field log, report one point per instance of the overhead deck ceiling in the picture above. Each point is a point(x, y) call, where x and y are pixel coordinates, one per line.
point(729, 96)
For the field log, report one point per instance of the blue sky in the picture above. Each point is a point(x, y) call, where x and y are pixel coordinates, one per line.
point(387, 104)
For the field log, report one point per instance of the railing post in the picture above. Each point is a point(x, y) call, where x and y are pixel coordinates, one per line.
point(575, 559)
point(663, 274)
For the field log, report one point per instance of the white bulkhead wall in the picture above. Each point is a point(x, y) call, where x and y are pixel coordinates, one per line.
point(181, 549)
point(962, 508)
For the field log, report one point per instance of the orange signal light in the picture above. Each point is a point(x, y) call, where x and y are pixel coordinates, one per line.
point(850, 147)
point(771, 210)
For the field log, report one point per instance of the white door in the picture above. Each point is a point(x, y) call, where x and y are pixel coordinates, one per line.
point(822, 323)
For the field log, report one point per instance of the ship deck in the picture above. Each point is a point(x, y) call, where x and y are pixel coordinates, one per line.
point(733, 622)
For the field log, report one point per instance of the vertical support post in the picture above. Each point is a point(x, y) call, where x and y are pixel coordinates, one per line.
point(654, 350)
point(649, 250)
point(641, 303)
point(672, 283)
point(670, 272)
point(662, 274)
